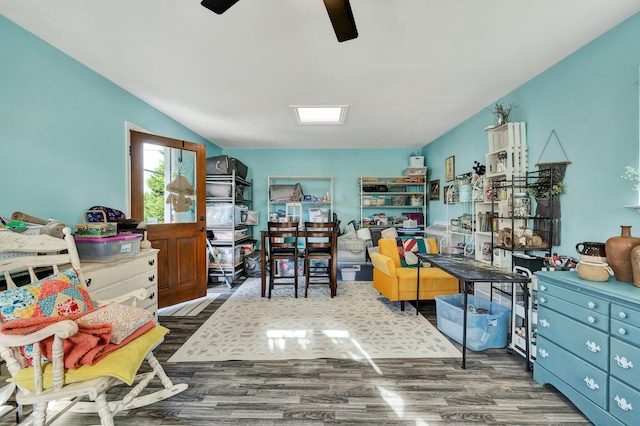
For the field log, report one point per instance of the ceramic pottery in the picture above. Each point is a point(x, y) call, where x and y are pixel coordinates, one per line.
point(635, 264)
point(618, 251)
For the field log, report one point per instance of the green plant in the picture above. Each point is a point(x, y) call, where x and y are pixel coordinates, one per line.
point(540, 189)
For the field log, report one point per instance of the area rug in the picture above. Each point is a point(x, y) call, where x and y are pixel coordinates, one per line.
point(190, 308)
point(358, 323)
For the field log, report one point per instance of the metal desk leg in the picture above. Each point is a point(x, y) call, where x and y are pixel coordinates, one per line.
point(465, 291)
point(418, 289)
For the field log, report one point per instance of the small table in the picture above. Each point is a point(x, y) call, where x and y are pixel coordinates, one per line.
point(470, 271)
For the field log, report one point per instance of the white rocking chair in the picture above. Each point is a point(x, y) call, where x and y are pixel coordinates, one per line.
point(47, 381)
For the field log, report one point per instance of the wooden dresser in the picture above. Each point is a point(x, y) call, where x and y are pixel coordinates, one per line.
point(108, 280)
point(588, 345)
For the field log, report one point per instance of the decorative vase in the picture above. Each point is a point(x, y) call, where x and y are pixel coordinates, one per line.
point(618, 251)
point(635, 265)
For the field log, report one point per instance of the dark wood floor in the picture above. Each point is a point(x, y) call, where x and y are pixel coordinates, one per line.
point(495, 389)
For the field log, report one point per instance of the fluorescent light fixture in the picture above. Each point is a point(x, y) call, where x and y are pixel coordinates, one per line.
point(319, 115)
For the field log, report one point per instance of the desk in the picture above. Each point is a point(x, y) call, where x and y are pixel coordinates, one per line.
point(470, 271)
point(264, 237)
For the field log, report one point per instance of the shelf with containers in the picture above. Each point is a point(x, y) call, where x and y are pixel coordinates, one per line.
point(381, 199)
point(460, 229)
point(230, 221)
point(300, 198)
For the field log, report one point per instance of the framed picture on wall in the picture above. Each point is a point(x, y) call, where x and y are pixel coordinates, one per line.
point(449, 168)
point(434, 189)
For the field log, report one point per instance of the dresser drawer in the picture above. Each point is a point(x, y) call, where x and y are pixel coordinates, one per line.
point(624, 402)
point(580, 299)
point(624, 362)
point(97, 275)
point(624, 331)
point(583, 377)
point(584, 315)
point(625, 314)
point(586, 342)
point(144, 280)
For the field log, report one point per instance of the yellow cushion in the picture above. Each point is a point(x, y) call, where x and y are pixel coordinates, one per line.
point(122, 364)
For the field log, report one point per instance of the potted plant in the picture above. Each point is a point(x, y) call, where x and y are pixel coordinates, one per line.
point(416, 160)
point(502, 112)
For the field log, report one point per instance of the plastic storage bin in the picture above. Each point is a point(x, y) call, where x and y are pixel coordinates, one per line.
point(108, 249)
point(362, 271)
point(484, 330)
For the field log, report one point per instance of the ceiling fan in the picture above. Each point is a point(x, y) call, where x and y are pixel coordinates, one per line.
point(339, 12)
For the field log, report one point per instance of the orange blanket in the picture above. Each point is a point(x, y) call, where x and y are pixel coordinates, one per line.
point(89, 345)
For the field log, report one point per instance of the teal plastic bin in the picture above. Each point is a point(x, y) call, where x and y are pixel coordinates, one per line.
point(484, 330)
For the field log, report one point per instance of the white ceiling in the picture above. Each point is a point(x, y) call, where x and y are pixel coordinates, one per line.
point(417, 69)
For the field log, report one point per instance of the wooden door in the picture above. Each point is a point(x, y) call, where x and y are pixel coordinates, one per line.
point(168, 191)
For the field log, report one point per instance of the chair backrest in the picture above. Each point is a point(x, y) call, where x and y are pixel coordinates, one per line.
point(21, 253)
point(320, 236)
point(282, 236)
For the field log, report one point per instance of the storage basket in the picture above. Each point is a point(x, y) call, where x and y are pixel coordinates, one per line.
point(399, 200)
point(96, 229)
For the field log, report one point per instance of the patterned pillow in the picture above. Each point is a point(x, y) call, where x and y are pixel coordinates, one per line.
point(407, 249)
point(61, 294)
point(125, 319)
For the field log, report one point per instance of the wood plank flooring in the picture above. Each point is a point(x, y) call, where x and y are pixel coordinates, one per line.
point(495, 389)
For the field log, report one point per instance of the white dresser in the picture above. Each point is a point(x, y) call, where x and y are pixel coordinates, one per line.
point(108, 280)
point(589, 345)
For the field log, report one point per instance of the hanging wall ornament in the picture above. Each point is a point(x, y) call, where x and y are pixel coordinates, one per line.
point(549, 187)
point(180, 193)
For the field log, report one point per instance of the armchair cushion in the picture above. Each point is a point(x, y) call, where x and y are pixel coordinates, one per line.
point(60, 294)
point(407, 247)
point(121, 364)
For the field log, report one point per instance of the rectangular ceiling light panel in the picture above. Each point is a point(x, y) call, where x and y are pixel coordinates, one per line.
point(319, 115)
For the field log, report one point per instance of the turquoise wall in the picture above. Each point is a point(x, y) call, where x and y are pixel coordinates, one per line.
point(345, 165)
point(62, 131)
point(591, 100)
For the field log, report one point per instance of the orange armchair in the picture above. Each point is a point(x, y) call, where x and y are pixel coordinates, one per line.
point(398, 283)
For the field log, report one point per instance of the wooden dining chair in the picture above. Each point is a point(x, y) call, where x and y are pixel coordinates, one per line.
point(282, 246)
point(320, 262)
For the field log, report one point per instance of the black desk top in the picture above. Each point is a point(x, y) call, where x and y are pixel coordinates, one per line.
point(470, 270)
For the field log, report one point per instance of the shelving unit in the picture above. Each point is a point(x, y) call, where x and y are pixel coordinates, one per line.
point(230, 197)
point(461, 229)
point(405, 193)
point(319, 192)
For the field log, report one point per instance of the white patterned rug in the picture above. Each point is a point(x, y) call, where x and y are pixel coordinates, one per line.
point(358, 323)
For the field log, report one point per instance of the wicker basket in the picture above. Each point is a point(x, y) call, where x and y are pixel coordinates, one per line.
point(96, 229)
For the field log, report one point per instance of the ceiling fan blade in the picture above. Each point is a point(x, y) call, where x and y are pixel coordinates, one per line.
point(342, 19)
point(218, 6)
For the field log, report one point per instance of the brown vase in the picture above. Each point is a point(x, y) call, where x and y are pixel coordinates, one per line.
point(619, 254)
point(635, 264)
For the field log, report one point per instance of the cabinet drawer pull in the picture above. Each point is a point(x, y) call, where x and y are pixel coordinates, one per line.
point(543, 288)
point(622, 315)
point(152, 295)
point(591, 305)
point(152, 262)
point(543, 353)
point(591, 319)
point(622, 331)
point(623, 362)
point(592, 346)
point(623, 404)
point(543, 300)
point(591, 384)
point(543, 322)
point(87, 282)
point(151, 277)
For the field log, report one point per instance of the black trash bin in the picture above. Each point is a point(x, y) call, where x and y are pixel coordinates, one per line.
point(252, 263)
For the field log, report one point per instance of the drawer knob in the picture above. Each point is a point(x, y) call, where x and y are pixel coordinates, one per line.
point(543, 300)
point(543, 288)
point(591, 384)
point(591, 319)
point(623, 404)
point(623, 362)
point(591, 305)
point(152, 262)
point(622, 315)
point(87, 282)
point(152, 295)
point(151, 277)
point(543, 322)
point(592, 346)
point(543, 353)
point(622, 331)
